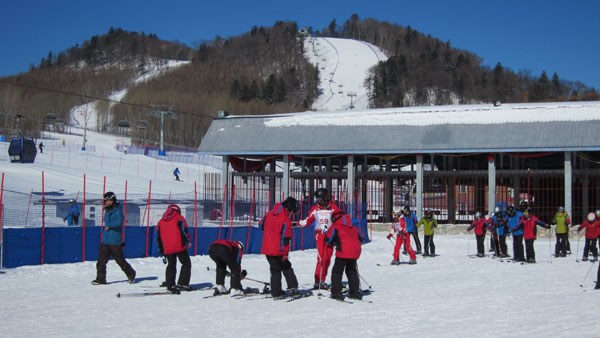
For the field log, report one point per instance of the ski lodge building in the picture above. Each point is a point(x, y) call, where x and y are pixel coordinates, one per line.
point(453, 160)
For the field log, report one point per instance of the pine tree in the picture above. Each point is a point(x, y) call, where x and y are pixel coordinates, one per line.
point(556, 87)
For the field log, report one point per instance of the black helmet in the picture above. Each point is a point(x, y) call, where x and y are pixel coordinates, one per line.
point(291, 204)
point(510, 211)
point(428, 213)
point(406, 208)
point(322, 195)
point(110, 196)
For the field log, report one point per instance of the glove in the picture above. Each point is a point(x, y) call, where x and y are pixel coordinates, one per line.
point(294, 224)
point(284, 257)
point(164, 259)
point(64, 219)
point(243, 274)
point(578, 230)
point(389, 236)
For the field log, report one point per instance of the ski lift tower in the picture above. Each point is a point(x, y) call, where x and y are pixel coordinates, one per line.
point(161, 111)
point(351, 94)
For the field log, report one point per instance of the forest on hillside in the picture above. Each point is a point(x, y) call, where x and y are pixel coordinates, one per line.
point(263, 71)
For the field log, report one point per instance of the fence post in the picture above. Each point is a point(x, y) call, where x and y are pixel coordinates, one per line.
point(2, 224)
point(83, 224)
point(148, 223)
point(43, 217)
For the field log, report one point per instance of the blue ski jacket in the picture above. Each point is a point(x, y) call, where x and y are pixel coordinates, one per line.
point(513, 223)
point(113, 225)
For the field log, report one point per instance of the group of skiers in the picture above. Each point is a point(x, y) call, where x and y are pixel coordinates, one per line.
point(333, 228)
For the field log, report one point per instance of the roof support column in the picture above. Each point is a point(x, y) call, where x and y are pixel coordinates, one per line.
point(419, 186)
point(491, 183)
point(350, 185)
point(568, 183)
point(224, 186)
point(285, 184)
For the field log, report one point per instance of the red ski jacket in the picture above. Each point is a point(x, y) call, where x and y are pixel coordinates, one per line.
point(344, 236)
point(529, 227)
point(320, 216)
point(277, 228)
point(591, 229)
point(480, 226)
point(172, 233)
point(233, 246)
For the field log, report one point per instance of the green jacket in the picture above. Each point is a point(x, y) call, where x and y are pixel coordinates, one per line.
point(430, 225)
point(562, 220)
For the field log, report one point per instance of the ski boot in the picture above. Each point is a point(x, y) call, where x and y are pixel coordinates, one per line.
point(412, 261)
point(395, 262)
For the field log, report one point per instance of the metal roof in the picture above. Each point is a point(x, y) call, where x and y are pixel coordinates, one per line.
point(347, 132)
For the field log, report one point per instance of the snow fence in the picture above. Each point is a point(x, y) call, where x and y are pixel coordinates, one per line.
point(34, 246)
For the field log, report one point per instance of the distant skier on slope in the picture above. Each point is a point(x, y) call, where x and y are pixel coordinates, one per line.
point(176, 173)
point(72, 213)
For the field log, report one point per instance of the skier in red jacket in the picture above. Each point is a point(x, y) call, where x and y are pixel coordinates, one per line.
point(320, 215)
point(173, 241)
point(480, 224)
point(277, 228)
point(591, 225)
point(529, 223)
point(347, 240)
point(402, 237)
point(228, 254)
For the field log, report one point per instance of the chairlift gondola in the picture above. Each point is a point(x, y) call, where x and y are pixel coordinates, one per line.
point(141, 124)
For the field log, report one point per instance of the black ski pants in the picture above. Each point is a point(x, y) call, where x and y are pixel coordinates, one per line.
point(277, 266)
point(186, 269)
point(429, 245)
point(480, 244)
point(560, 249)
point(224, 257)
point(518, 254)
point(590, 245)
point(104, 254)
point(415, 235)
point(529, 250)
point(351, 268)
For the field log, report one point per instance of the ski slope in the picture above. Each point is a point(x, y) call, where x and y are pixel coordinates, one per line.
point(343, 67)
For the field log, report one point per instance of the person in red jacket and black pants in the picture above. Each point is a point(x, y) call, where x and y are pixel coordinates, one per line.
point(529, 223)
point(480, 224)
point(347, 240)
point(228, 254)
point(173, 241)
point(591, 225)
point(277, 228)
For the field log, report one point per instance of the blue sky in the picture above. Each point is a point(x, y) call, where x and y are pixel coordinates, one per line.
point(556, 36)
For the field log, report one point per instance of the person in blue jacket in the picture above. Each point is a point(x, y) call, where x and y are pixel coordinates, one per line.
point(411, 222)
point(513, 222)
point(498, 223)
point(72, 213)
point(176, 173)
point(112, 241)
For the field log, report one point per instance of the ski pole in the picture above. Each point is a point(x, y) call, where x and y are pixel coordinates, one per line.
point(584, 278)
point(577, 257)
point(550, 244)
point(361, 277)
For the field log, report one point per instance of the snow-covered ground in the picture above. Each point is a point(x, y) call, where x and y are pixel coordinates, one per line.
point(343, 65)
point(451, 295)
